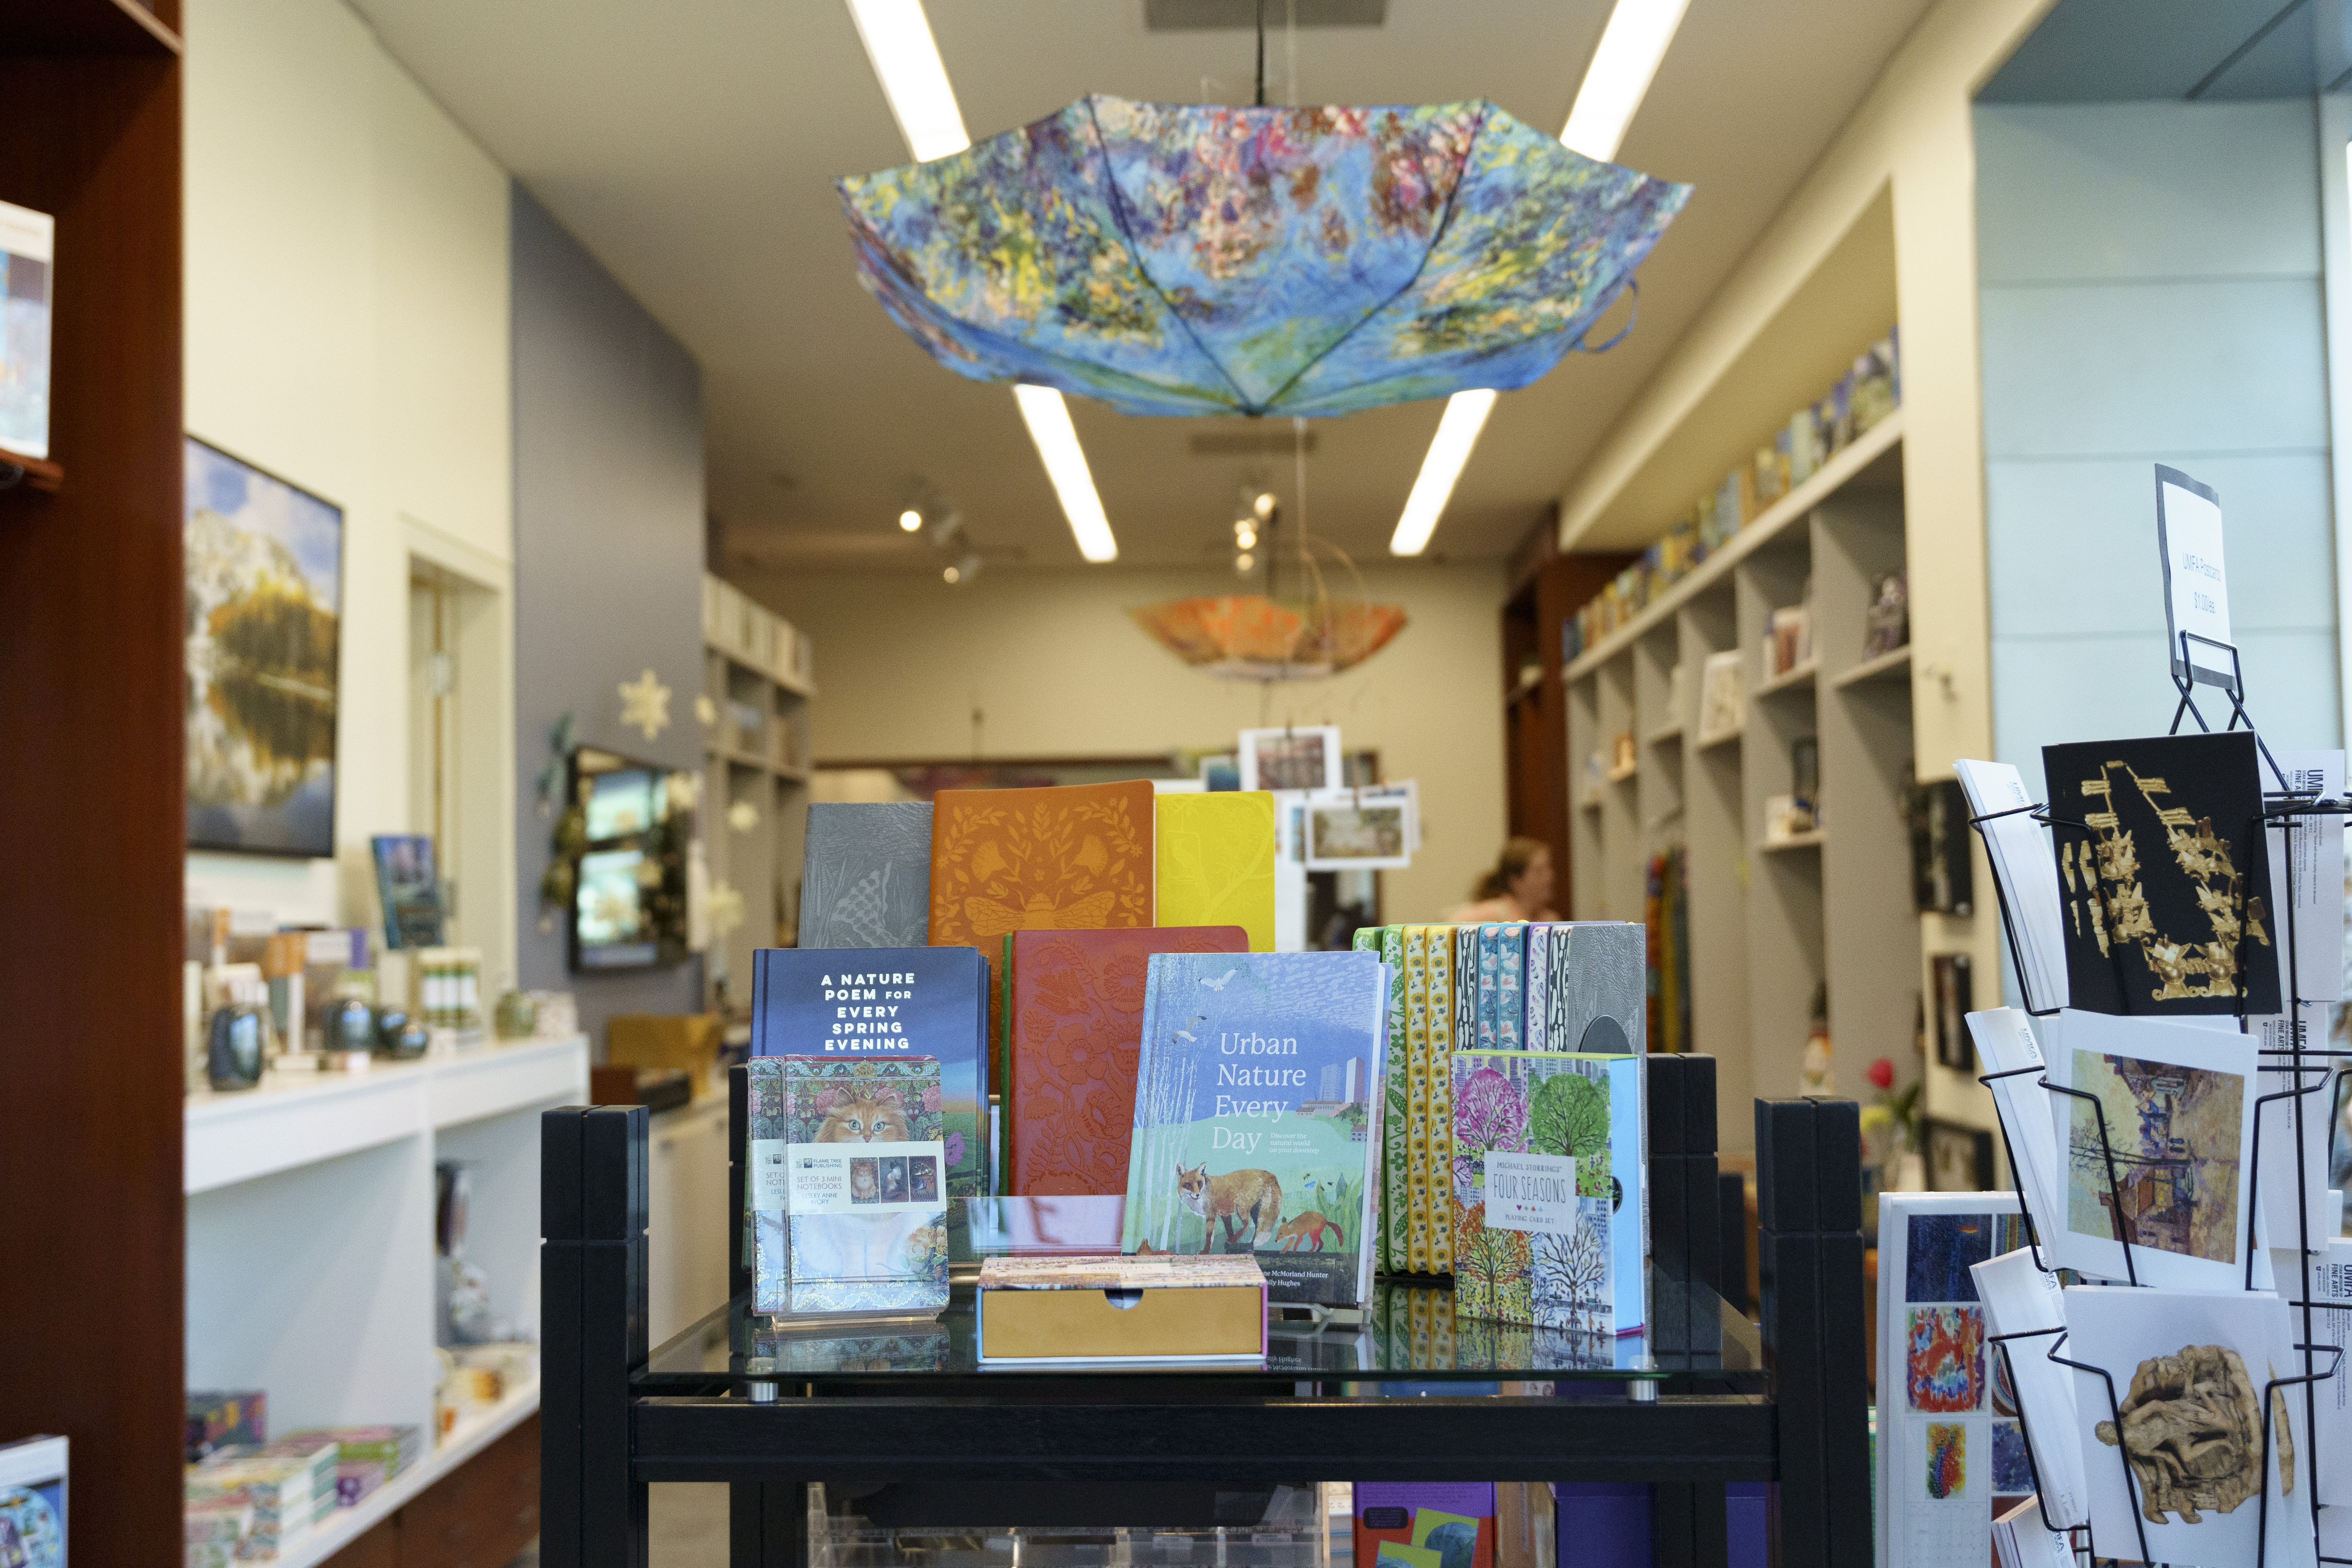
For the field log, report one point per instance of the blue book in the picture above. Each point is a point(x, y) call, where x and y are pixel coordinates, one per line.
point(881, 1003)
point(1257, 1116)
point(1510, 998)
point(1489, 1036)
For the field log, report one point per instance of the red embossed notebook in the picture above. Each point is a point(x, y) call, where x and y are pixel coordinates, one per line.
point(1077, 1028)
point(1078, 858)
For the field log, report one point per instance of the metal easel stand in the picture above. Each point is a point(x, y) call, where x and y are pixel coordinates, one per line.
point(2285, 811)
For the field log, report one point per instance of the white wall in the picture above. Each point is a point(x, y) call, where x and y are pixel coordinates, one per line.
point(1057, 670)
point(346, 327)
point(2151, 278)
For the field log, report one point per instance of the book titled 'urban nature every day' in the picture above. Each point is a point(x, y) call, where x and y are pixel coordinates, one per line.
point(1256, 1116)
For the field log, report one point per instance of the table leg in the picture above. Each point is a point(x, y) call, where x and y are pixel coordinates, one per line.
point(593, 1335)
point(767, 1524)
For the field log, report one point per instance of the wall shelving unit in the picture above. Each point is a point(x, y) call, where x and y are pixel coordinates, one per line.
point(311, 1264)
point(1769, 923)
point(758, 676)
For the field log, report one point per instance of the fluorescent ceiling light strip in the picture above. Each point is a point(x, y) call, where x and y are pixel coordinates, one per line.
point(1631, 44)
point(1048, 418)
point(897, 38)
point(1465, 415)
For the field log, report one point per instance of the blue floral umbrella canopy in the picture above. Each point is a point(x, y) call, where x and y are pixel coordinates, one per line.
point(1182, 258)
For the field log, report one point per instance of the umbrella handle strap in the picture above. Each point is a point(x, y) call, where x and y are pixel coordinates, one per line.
point(1633, 286)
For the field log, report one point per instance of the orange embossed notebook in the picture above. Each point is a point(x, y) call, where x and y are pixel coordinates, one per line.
point(1073, 858)
point(1077, 1028)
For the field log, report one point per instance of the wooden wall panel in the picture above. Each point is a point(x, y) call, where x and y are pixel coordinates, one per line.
point(90, 723)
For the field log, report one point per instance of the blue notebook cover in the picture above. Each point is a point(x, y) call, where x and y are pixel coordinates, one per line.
point(881, 1003)
point(1257, 1115)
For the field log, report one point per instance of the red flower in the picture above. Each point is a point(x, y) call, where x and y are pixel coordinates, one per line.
point(1881, 1072)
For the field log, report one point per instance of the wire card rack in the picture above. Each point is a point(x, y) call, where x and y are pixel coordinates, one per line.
point(2284, 811)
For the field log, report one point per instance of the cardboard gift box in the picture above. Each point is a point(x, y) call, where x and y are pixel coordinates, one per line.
point(1045, 1310)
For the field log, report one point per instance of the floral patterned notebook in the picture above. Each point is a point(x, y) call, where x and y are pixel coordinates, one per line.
point(1071, 858)
point(848, 1185)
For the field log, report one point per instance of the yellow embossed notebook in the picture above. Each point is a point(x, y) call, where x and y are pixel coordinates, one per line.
point(1216, 862)
point(1071, 858)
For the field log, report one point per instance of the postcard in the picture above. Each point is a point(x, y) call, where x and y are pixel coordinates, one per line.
point(2169, 903)
point(2307, 868)
point(2293, 1184)
point(2019, 851)
point(2173, 1433)
point(2176, 1104)
point(2330, 1278)
point(1291, 758)
point(1949, 1442)
point(2028, 1387)
point(2005, 1043)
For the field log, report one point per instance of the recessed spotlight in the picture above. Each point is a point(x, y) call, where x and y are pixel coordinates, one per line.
point(1243, 562)
point(1244, 536)
point(951, 576)
point(910, 520)
point(1264, 505)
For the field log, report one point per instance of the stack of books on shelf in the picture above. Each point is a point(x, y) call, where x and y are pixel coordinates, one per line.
point(258, 1503)
point(252, 1497)
point(1092, 1013)
point(1863, 396)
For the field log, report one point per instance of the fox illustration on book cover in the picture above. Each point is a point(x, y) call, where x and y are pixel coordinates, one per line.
point(1246, 1201)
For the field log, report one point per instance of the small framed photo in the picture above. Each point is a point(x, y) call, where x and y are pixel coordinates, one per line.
point(1291, 758)
point(1958, 1159)
point(1954, 1002)
point(1405, 789)
point(1353, 835)
point(1222, 771)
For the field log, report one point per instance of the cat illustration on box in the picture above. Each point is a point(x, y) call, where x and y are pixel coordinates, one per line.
point(1247, 1201)
point(867, 1118)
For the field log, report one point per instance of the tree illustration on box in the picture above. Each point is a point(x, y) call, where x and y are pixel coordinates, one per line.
point(1571, 1268)
point(1570, 1116)
point(1490, 1267)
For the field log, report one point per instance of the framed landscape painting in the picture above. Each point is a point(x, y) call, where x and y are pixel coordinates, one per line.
point(265, 571)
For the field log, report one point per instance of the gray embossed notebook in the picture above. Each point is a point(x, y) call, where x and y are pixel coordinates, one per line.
point(867, 881)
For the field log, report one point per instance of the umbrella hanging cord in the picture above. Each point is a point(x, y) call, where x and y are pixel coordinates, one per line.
point(1261, 54)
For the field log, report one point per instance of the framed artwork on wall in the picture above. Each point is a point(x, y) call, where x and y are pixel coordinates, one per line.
point(265, 574)
point(1955, 1000)
point(1959, 1159)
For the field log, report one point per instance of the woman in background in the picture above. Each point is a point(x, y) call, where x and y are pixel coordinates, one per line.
point(1519, 888)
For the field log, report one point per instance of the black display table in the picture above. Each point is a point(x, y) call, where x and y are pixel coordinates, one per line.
point(1704, 1398)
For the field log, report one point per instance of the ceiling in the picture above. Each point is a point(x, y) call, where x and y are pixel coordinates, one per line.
point(2098, 51)
point(692, 147)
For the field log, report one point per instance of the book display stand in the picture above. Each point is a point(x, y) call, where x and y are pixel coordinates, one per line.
point(2284, 812)
point(771, 1406)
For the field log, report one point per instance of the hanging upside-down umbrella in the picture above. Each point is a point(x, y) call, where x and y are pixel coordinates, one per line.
point(1195, 259)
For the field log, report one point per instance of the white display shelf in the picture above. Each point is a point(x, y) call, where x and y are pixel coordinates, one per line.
point(469, 1439)
point(1790, 512)
point(295, 1120)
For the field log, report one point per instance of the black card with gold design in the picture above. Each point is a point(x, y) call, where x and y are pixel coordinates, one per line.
point(2166, 883)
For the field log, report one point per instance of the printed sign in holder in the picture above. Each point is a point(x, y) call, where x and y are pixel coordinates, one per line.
point(2284, 811)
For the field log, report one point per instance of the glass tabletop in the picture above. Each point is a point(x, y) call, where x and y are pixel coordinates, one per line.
point(1410, 1335)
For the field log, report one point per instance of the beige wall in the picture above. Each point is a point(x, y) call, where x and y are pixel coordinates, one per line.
point(1056, 669)
point(346, 321)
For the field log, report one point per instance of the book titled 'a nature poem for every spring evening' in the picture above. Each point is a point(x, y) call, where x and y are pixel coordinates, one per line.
point(1257, 1116)
point(884, 1003)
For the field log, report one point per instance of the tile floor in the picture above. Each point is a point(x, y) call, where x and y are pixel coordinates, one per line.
point(689, 1528)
